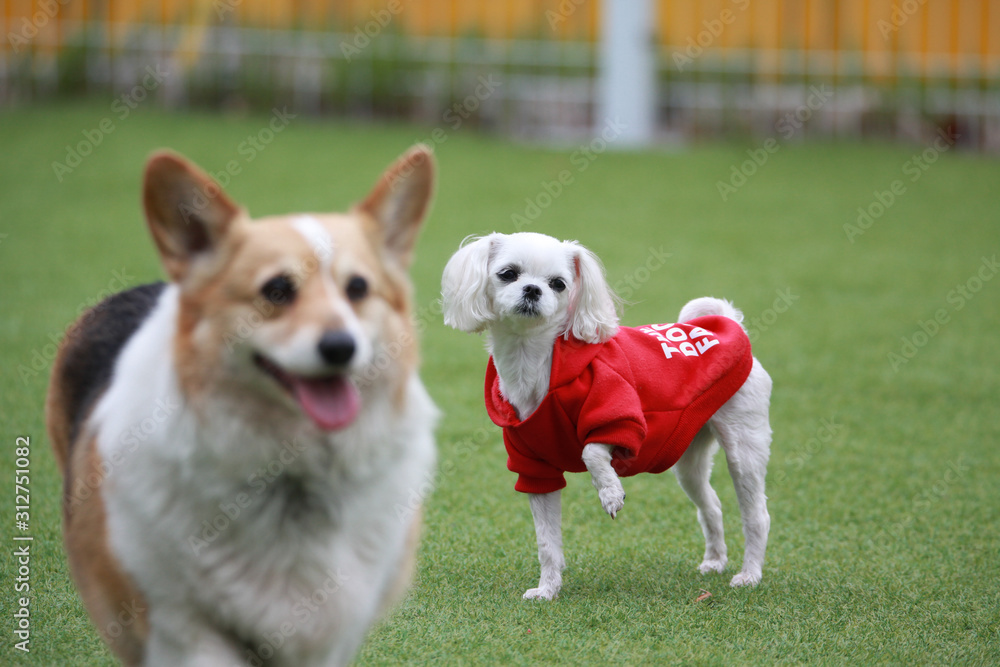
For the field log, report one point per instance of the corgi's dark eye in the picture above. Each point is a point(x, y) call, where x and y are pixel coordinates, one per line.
point(279, 290)
point(557, 284)
point(357, 288)
point(507, 275)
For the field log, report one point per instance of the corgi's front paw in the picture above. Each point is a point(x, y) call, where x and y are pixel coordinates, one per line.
point(612, 498)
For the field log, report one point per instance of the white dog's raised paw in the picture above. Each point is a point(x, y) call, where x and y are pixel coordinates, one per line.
point(612, 499)
point(745, 579)
point(708, 566)
point(541, 593)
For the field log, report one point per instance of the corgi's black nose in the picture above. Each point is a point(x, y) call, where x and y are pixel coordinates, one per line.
point(336, 347)
point(532, 292)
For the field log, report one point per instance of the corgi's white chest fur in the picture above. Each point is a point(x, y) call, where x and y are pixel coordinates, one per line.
point(227, 524)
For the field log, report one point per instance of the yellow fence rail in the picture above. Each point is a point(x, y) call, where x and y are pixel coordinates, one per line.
point(722, 63)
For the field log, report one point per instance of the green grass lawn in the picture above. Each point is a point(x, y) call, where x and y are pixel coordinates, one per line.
point(885, 473)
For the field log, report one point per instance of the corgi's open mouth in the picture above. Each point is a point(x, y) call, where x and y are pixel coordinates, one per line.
point(332, 402)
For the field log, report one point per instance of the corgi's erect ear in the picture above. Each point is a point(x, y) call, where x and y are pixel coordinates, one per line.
point(187, 212)
point(400, 200)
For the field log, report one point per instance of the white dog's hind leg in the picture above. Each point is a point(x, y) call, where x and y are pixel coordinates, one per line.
point(744, 431)
point(597, 458)
point(693, 472)
point(546, 510)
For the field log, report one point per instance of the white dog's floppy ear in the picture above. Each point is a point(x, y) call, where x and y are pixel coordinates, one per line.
point(593, 306)
point(467, 306)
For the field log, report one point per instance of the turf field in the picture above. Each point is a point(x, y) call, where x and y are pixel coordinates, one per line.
point(879, 327)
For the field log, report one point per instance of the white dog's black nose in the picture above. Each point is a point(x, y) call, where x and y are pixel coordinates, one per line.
point(532, 292)
point(336, 347)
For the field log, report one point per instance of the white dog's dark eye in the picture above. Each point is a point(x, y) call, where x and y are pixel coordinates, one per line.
point(507, 275)
point(279, 290)
point(557, 284)
point(357, 288)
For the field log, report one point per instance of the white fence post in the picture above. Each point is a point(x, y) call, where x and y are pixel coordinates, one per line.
point(627, 86)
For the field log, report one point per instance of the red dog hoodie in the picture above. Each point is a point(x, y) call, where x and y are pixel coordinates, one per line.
point(647, 391)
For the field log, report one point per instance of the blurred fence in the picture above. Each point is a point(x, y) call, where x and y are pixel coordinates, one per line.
point(789, 68)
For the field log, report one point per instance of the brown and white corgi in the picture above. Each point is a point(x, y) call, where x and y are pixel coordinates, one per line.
point(242, 446)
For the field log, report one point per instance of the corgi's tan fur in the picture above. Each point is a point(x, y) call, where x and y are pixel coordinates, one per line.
point(242, 446)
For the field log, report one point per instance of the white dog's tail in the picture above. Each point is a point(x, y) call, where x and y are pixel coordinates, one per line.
point(708, 305)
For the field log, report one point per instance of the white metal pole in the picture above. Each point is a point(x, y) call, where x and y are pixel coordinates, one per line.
point(627, 86)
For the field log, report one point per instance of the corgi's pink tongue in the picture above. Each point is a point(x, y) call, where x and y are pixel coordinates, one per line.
point(331, 403)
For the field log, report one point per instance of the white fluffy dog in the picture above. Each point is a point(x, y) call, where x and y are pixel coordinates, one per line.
point(576, 392)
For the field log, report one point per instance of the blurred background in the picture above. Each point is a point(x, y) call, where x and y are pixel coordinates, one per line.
point(864, 255)
point(549, 71)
